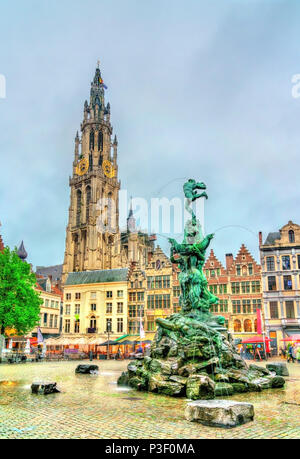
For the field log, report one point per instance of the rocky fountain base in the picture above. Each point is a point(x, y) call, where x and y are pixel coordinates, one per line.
point(193, 356)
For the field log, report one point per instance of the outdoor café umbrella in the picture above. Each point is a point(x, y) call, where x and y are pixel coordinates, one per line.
point(256, 340)
point(27, 347)
point(291, 338)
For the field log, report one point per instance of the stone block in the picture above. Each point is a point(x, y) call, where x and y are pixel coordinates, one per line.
point(279, 368)
point(87, 369)
point(219, 413)
point(44, 388)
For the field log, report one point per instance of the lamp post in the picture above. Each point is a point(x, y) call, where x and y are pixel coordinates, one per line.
point(108, 331)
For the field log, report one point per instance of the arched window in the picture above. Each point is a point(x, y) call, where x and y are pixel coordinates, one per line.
point(100, 141)
point(78, 208)
point(93, 322)
point(247, 325)
point(291, 236)
point(255, 325)
point(237, 326)
point(88, 200)
point(92, 140)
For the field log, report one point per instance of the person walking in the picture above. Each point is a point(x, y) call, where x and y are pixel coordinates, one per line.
point(298, 354)
point(291, 354)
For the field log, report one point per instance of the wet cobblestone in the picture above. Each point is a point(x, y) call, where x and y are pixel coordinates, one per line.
point(92, 406)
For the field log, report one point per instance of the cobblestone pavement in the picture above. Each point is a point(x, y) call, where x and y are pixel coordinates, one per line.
point(92, 406)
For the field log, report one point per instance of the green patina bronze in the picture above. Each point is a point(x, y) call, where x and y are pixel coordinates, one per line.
point(192, 353)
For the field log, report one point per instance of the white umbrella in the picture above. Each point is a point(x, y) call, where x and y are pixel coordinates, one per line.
point(27, 347)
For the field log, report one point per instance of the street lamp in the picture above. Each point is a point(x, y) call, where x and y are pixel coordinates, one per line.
point(108, 331)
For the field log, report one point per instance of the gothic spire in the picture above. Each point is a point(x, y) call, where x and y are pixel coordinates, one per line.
point(21, 252)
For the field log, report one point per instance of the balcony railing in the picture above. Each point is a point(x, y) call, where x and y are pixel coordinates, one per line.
point(92, 330)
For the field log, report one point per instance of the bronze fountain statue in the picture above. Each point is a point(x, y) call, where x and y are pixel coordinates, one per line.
point(192, 353)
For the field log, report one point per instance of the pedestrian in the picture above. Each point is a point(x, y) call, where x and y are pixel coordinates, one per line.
point(91, 355)
point(291, 354)
point(283, 352)
point(298, 354)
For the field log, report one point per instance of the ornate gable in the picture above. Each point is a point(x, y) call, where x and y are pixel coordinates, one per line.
point(160, 259)
point(242, 260)
point(289, 234)
point(212, 263)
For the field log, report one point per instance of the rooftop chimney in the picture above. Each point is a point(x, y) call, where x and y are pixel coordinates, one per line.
point(229, 260)
point(260, 238)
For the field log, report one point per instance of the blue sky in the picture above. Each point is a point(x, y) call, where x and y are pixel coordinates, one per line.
point(197, 89)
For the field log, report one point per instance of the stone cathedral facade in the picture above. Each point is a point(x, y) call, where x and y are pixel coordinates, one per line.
point(93, 238)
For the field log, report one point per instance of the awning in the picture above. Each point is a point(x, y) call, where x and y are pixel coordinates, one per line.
point(108, 343)
point(291, 338)
point(121, 338)
point(126, 343)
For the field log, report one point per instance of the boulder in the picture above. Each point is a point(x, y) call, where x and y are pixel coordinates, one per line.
point(123, 379)
point(238, 376)
point(87, 369)
point(200, 387)
point(193, 351)
point(138, 383)
point(187, 370)
point(223, 389)
point(171, 388)
point(279, 368)
point(259, 369)
point(263, 383)
point(178, 379)
point(155, 381)
point(155, 365)
point(277, 381)
point(239, 387)
point(159, 383)
point(44, 388)
point(219, 413)
point(221, 377)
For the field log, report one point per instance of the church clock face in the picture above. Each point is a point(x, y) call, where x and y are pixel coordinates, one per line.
point(83, 166)
point(108, 169)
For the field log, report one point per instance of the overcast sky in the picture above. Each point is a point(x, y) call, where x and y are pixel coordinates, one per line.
point(197, 89)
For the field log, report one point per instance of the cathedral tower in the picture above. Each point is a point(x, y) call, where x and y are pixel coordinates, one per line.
point(93, 237)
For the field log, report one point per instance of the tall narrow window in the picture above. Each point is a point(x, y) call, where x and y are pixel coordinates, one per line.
point(270, 263)
point(290, 311)
point(100, 141)
point(286, 264)
point(271, 283)
point(287, 283)
point(78, 208)
point(88, 200)
point(274, 310)
point(291, 236)
point(92, 140)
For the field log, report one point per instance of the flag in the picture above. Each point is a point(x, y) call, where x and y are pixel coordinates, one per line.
point(142, 331)
point(40, 336)
point(259, 321)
